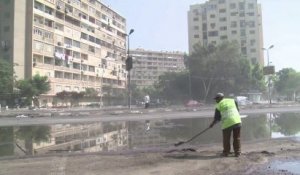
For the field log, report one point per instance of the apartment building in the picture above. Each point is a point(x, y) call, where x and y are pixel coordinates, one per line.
point(216, 21)
point(149, 65)
point(78, 44)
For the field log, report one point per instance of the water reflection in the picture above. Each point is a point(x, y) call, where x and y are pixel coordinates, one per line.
point(126, 135)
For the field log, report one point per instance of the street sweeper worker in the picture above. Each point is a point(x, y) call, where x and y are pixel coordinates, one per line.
point(227, 111)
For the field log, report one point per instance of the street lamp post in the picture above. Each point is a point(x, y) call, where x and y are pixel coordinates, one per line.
point(128, 67)
point(269, 78)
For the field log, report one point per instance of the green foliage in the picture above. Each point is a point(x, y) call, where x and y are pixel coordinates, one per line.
point(32, 88)
point(212, 69)
point(33, 134)
point(7, 141)
point(173, 87)
point(288, 124)
point(74, 97)
point(6, 78)
point(91, 92)
point(288, 82)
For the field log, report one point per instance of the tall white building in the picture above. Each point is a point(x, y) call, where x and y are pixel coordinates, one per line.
point(216, 21)
point(149, 65)
point(78, 44)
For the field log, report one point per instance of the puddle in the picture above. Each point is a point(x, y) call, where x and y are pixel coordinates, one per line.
point(136, 135)
point(291, 167)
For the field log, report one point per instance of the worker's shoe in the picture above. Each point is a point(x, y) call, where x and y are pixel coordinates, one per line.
point(224, 155)
point(237, 154)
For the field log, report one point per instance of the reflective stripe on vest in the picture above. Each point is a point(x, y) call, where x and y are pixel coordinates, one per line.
point(229, 113)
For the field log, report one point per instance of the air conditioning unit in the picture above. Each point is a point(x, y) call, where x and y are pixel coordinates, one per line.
point(59, 43)
point(67, 10)
point(58, 7)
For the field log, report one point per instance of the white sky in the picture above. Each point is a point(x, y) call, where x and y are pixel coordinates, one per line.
point(162, 25)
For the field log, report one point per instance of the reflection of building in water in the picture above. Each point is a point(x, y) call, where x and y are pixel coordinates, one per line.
point(142, 135)
point(85, 137)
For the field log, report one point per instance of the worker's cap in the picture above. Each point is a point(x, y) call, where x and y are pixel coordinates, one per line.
point(219, 95)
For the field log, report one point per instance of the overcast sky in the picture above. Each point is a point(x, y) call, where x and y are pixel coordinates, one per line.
point(162, 25)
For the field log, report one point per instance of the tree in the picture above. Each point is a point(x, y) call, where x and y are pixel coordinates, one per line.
point(172, 87)
point(288, 83)
point(33, 134)
point(75, 97)
point(32, 88)
point(91, 92)
point(210, 70)
point(6, 79)
point(63, 96)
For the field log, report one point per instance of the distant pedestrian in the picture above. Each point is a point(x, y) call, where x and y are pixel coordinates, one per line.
point(147, 101)
point(227, 111)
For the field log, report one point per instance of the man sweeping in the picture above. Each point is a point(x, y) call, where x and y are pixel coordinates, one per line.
point(227, 112)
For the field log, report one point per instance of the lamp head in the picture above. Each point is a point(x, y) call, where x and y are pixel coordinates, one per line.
point(131, 31)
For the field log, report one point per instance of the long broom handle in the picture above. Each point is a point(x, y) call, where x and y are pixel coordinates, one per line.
point(197, 135)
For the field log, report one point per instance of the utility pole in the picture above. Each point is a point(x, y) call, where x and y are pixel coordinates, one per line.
point(269, 77)
point(128, 68)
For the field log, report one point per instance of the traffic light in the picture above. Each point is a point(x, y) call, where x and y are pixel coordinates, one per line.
point(129, 63)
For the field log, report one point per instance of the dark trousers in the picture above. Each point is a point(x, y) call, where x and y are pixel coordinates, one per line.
point(236, 130)
point(146, 105)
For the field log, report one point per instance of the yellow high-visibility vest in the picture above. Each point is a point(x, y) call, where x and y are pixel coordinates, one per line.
point(229, 113)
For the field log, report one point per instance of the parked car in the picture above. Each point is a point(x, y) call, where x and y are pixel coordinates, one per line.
point(193, 103)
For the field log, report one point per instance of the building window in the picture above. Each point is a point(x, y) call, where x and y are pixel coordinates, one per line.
point(222, 11)
point(48, 60)
point(221, 1)
point(252, 42)
point(92, 49)
point(196, 27)
point(233, 24)
point(223, 19)
point(243, 32)
point(253, 50)
point(233, 13)
point(232, 5)
point(76, 44)
point(244, 50)
point(234, 32)
point(196, 36)
point(251, 24)
point(224, 37)
point(38, 46)
point(251, 13)
point(213, 33)
point(252, 31)
point(196, 19)
point(242, 23)
point(223, 28)
point(250, 6)
point(212, 16)
point(242, 6)
point(204, 26)
point(76, 54)
point(84, 36)
point(48, 35)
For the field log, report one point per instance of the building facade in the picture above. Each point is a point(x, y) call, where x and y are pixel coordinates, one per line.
point(216, 21)
point(78, 44)
point(149, 65)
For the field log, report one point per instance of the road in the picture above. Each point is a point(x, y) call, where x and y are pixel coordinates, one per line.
point(129, 115)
